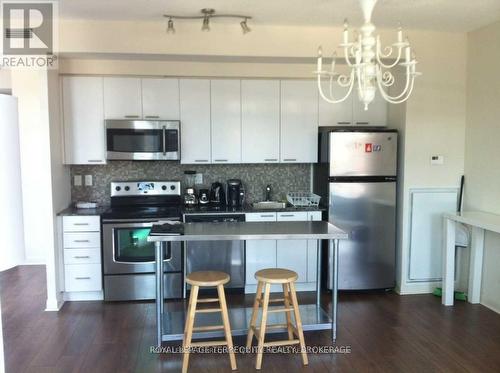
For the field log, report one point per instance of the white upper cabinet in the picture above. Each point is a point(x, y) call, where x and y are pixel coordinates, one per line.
point(260, 121)
point(299, 121)
point(335, 114)
point(160, 98)
point(122, 98)
point(83, 118)
point(195, 120)
point(376, 115)
point(225, 103)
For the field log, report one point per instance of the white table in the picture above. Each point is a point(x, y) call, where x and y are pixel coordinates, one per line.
point(479, 222)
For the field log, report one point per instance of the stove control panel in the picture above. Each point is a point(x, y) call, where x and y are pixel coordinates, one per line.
point(143, 188)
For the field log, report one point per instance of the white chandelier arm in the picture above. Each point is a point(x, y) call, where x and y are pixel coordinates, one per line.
point(381, 80)
point(348, 51)
point(331, 100)
point(398, 99)
point(380, 54)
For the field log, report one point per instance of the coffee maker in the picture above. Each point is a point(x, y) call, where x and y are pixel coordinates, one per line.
point(217, 194)
point(235, 193)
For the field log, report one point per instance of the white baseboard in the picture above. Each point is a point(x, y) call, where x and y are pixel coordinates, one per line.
point(33, 262)
point(417, 288)
point(73, 296)
point(299, 286)
point(53, 305)
point(492, 307)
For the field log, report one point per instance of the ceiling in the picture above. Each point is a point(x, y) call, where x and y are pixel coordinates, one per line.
point(440, 15)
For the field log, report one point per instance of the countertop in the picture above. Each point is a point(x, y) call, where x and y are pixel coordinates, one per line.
point(290, 230)
point(484, 220)
point(73, 211)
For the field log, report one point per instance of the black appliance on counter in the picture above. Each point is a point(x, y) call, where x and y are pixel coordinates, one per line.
point(235, 193)
point(128, 258)
point(217, 194)
point(203, 196)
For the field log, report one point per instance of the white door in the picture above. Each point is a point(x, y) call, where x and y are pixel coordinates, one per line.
point(83, 118)
point(260, 121)
point(160, 99)
point(312, 250)
point(292, 254)
point(122, 98)
point(299, 121)
point(195, 120)
point(226, 121)
point(336, 114)
point(376, 115)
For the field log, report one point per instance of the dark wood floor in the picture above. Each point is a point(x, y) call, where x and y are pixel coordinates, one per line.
point(385, 333)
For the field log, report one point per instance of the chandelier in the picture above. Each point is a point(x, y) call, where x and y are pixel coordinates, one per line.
point(206, 15)
point(365, 57)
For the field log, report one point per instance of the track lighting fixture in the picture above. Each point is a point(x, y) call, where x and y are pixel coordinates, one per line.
point(206, 15)
point(244, 26)
point(170, 27)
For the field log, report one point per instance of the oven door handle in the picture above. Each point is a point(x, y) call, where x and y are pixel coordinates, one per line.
point(130, 223)
point(164, 141)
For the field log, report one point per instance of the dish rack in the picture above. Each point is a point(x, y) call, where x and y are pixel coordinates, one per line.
point(303, 199)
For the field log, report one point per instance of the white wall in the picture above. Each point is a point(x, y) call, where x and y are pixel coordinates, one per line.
point(482, 151)
point(2, 359)
point(5, 81)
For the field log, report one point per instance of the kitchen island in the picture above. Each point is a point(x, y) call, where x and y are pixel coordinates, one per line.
point(170, 325)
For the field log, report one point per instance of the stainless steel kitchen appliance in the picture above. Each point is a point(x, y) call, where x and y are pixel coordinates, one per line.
point(357, 177)
point(235, 193)
point(128, 259)
point(225, 256)
point(143, 139)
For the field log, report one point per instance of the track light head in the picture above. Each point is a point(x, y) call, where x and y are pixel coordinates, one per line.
point(206, 24)
point(170, 27)
point(244, 26)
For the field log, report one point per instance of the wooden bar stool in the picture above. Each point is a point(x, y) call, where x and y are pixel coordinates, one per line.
point(287, 278)
point(207, 279)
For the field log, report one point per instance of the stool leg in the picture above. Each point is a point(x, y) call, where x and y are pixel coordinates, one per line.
point(298, 323)
point(288, 313)
point(255, 311)
point(227, 327)
point(187, 312)
point(188, 335)
point(265, 304)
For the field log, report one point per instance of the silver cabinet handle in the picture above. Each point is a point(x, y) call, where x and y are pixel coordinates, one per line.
point(95, 161)
point(343, 122)
point(270, 160)
point(362, 122)
point(81, 257)
point(290, 160)
point(220, 160)
point(152, 116)
point(81, 224)
point(201, 160)
point(131, 116)
point(287, 215)
point(267, 216)
point(81, 241)
point(82, 278)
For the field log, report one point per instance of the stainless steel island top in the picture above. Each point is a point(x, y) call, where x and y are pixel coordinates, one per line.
point(170, 324)
point(289, 230)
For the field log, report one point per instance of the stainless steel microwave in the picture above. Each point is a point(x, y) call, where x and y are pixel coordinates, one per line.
point(143, 140)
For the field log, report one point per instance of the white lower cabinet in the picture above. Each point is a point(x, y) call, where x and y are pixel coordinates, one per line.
point(82, 257)
point(298, 255)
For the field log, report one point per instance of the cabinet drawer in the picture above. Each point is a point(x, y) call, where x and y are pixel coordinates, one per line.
point(82, 256)
point(81, 223)
point(261, 216)
point(315, 215)
point(292, 216)
point(84, 239)
point(83, 277)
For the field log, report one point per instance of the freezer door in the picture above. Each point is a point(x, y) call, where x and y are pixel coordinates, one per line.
point(367, 211)
point(363, 153)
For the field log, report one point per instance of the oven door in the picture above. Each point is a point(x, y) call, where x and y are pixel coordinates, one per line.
point(126, 249)
point(134, 139)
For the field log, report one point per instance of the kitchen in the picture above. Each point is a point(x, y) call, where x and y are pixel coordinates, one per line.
point(273, 149)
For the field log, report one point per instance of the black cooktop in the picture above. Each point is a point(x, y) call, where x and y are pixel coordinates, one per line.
point(143, 212)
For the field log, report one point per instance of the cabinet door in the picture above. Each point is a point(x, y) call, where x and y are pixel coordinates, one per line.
point(299, 121)
point(160, 99)
point(260, 121)
point(336, 114)
point(312, 250)
point(225, 101)
point(260, 254)
point(83, 117)
point(195, 120)
point(122, 98)
point(376, 115)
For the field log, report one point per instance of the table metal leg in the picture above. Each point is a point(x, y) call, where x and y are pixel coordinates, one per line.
point(335, 266)
point(448, 263)
point(318, 273)
point(159, 291)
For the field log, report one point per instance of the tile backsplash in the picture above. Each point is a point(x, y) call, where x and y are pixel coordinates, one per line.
point(282, 177)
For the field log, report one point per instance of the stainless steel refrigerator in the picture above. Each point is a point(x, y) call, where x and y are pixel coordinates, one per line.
point(357, 177)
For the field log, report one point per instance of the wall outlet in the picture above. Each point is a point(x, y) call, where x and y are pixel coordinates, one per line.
point(199, 179)
point(88, 180)
point(437, 160)
point(77, 180)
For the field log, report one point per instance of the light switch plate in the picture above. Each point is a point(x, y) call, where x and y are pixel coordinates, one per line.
point(77, 180)
point(199, 179)
point(88, 180)
point(437, 160)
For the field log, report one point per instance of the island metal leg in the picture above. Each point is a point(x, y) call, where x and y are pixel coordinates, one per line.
point(335, 267)
point(318, 274)
point(159, 292)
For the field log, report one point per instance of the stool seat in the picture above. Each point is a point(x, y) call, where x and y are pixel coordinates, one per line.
point(276, 275)
point(207, 278)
